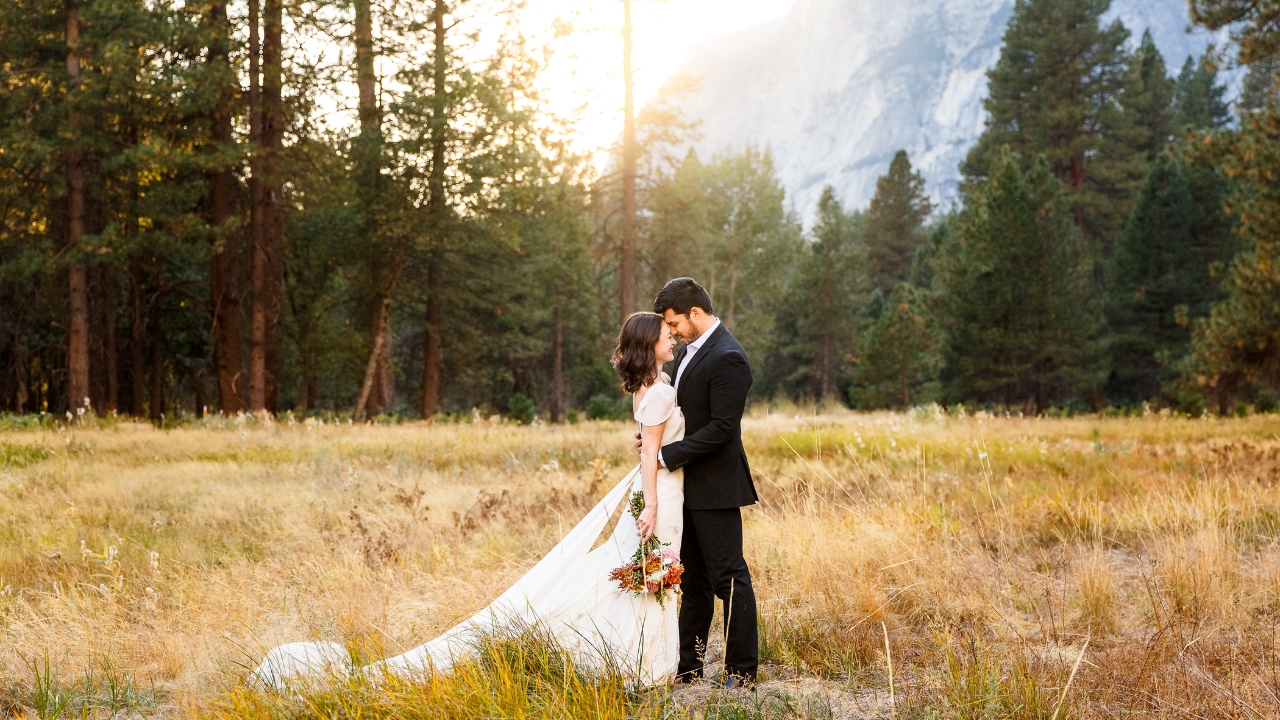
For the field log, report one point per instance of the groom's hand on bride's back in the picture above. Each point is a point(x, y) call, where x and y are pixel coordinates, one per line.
point(639, 441)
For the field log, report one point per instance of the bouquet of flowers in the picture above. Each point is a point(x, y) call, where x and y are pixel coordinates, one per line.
point(653, 567)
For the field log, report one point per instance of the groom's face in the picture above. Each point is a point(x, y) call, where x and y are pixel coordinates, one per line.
point(682, 326)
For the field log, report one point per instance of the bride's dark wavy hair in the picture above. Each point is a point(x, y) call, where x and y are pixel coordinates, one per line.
point(633, 358)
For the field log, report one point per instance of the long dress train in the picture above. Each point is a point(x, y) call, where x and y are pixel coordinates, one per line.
point(568, 592)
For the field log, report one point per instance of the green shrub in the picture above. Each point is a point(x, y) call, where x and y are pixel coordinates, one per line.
point(1242, 409)
point(522, 409)
point(572, 416)
point(604, 407)
point(1191, 402)
point(1265, 401)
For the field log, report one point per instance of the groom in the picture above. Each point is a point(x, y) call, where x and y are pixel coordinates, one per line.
point(712, 379)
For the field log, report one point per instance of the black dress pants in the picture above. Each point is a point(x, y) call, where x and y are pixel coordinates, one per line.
point(711, 550)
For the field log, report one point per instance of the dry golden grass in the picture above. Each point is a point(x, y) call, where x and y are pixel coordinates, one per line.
point(986, 552)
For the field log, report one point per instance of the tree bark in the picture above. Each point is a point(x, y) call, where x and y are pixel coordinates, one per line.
point(157, 367)
point(557, 366)
point(379, 338)
point(78, 284)
point(22, 377)
point(223, 285)
point(273, 197)
point(432, 351)
point(438, 211)
point(257, 249)
point(201, 404)
point(112, 400)
point(366, 78)
point(137, 329)
point(157, 352)
point(627, 259)
point(369, 155)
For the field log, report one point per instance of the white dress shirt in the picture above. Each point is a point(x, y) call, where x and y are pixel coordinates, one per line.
point(690, 350)
point(693, 349)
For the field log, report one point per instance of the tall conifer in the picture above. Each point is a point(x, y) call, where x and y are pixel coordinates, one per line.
point(900, 355)
point(1261, 85)
point(828, 290)
point(1016, 286)
point(1056, 92)
point(1200, 102)
point(894, 224)
point(1165, 273)
point(1149, 100)
point(1237, 347)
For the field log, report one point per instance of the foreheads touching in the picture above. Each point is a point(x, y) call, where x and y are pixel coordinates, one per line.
point(686, 308)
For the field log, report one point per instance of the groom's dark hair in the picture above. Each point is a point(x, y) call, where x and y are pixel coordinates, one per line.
point(682, 295)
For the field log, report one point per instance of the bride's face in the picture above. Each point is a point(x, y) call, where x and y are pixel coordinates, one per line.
point(665, 349)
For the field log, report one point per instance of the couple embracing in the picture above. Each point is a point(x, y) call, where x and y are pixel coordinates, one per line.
point(686, 496)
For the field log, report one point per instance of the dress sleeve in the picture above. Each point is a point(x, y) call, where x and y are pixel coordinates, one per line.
point(658, 405)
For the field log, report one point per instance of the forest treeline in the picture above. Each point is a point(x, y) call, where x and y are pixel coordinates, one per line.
point(189, 225)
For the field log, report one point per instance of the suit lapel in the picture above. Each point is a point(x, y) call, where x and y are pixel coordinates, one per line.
point(697, 358)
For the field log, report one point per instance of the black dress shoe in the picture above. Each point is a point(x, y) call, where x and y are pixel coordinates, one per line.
point(737, 682)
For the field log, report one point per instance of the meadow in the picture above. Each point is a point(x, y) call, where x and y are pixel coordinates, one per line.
point(924, 564)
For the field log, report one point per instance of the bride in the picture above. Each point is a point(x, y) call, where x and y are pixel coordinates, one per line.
point(569, 591)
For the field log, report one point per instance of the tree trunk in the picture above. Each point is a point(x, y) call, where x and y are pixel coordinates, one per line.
point(369, 169)
point(557, 366)
point(438, 211)
point(432, 350)
point(258, 272)
point(22, 369)
point(157, 361)
point(137, 329)
point(78, 284)
point(273, 195)
point(156, 349)
point(381, 313)
point(223, 262)
point(627, 261)
point(366, 79)
point(201, 405)
point(112, 401)
point(264, 352)
point(383, 394)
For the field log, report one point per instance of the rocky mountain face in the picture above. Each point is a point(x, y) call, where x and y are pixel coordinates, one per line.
point(835, 87)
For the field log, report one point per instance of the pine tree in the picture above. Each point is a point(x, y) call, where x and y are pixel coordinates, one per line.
point(1149, 99)
point(1252, 24)
point(894, 223)
point(821, 310)
point(1200, 103)
point(751, 237)
point(1261, 85)
point(1056, 91)
point(901, 354)
point(1164, 275)
point(1015, 283)
point(1236, 349)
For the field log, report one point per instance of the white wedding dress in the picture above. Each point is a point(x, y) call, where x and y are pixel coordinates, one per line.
point(568, 592)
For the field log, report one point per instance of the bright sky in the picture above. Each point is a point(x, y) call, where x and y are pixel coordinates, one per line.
point(585, 77)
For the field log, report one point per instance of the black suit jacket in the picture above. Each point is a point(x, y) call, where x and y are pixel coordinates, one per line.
point(712, 393)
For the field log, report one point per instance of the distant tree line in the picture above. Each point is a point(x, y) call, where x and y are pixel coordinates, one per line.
point(184, 227)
